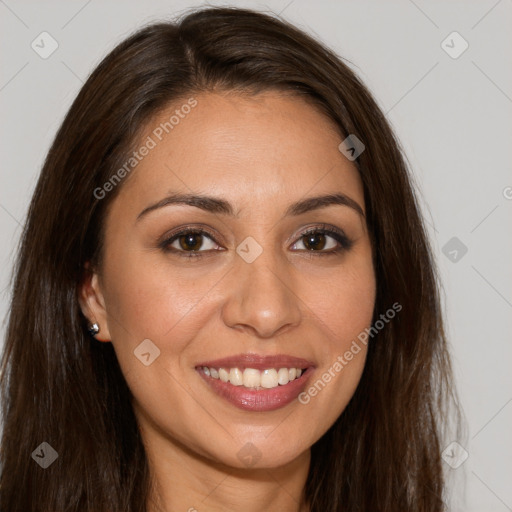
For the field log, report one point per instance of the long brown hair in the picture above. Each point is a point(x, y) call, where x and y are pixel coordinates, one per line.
point(62, 387)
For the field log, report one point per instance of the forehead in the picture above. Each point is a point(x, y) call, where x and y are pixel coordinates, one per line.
point(257, 150)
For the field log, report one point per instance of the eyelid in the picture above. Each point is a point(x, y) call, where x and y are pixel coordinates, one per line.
point(175, 233)
point(339, 235)
point(344, 242)
point(169, 238)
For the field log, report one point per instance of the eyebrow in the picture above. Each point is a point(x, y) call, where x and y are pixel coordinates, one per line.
point(221, 206)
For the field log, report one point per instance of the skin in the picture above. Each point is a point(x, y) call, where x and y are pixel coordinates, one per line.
point(261, 153)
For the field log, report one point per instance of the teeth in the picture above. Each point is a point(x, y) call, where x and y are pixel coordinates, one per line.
point(223, 375)
point(283, 376)
point(236, 377)
point(254, 379)
point(269, 379)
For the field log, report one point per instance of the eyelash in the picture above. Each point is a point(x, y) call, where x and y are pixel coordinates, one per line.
point(338, 235)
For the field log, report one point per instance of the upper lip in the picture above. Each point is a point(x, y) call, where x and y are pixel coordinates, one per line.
point(258, 362)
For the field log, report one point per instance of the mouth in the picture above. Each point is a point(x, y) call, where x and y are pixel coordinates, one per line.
point(257, 383)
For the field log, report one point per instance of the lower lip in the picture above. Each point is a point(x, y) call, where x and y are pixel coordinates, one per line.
point(262, 400)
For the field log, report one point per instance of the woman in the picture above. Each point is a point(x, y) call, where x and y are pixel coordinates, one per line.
point(224, 298)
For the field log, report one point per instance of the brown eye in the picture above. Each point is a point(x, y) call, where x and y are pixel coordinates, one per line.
point(324, 241)
point(314, 241)
point(317, 241)
point(191, 241)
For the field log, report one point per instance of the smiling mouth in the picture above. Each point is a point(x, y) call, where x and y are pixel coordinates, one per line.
point(255, 382)
point(252, 378)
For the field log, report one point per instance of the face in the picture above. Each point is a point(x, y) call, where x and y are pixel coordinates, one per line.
point(226, 290)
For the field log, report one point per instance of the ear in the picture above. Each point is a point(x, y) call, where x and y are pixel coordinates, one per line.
point(92, 303)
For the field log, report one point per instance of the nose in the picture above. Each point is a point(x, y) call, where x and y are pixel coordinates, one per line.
point(261, 298)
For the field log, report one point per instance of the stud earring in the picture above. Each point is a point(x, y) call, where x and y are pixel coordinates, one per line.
point(94, 329)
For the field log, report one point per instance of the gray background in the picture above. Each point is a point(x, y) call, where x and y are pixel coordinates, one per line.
point(452, 116)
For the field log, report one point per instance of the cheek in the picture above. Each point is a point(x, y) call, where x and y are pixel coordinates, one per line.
point(154, 302)
point(149, 298)
point(342, 309)
point(344, 302)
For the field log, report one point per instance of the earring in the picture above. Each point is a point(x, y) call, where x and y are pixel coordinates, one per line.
point(94, 329)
